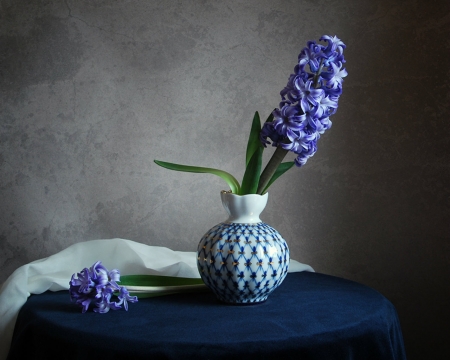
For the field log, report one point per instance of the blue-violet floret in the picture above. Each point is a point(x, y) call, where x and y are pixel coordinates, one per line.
point(97, 285)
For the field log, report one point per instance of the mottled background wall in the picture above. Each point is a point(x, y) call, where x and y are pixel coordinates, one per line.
point(93, 91)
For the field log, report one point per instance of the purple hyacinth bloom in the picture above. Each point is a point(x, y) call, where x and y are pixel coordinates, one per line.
point(99, 274)
point(124, 297)
point(308, 100)
point(288, 94)
point(326, 123)
point(288, 120)
point(326, 107)
point(84, 302)
point(114, 277)
point(296, 145)
point(310, 56)
point(315, 125)
point(334, 44)
point(336, 75)
point(334, 51)
point(307, 152)
point(307, 94)
point(83, 282)
point(333, 94)
point(268, 131)
point(103, 299)
point(97, 286)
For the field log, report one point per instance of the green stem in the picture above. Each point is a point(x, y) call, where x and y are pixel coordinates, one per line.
point(271, 167)
point(316, 75)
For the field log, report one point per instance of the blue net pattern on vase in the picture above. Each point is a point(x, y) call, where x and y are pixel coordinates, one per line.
point(242, 263)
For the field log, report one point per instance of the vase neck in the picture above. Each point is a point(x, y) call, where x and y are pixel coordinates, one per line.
point(244, 209)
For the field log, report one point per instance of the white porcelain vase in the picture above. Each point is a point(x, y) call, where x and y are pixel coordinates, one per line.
point(243, 260)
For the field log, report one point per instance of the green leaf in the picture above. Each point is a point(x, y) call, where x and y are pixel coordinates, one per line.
point(282, 168)
point(230, 179)
point(145, 286)
point(270, 117)
point(253, 140)
point(144, 295)
point(158, 280)
point(186, 289)
point(252, 172)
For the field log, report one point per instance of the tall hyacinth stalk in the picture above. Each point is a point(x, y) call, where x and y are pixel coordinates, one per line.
point(309, 99)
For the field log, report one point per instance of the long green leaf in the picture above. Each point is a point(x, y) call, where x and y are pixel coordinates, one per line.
point(282, 168)
point(158, 280)
point(144, 295)
point(146, 286)
point(252, 172)
point(253, 140)
point(230, 179)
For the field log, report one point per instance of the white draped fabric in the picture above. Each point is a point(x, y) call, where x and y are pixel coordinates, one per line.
point(53, 273)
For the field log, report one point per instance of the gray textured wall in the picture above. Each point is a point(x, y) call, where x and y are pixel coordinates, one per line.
point(93, 91)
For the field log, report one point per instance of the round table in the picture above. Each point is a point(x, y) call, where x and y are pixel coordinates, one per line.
point(310, 316)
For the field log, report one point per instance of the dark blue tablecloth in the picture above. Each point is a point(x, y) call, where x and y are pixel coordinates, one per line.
point(310, 316)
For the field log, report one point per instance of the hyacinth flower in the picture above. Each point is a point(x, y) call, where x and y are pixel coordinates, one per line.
point(97, 286)
point(313, 91)
point(308, 100)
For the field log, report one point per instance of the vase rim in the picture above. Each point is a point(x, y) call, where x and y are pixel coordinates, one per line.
point(243, 209)
point(224, 192)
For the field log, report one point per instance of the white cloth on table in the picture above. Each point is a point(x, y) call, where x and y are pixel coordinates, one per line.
point(54, 273)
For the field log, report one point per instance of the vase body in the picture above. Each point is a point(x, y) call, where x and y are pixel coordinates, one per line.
point(243, 260)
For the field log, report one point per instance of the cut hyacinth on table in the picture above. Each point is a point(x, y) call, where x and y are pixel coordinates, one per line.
point(99, 287)
point(309, 99)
